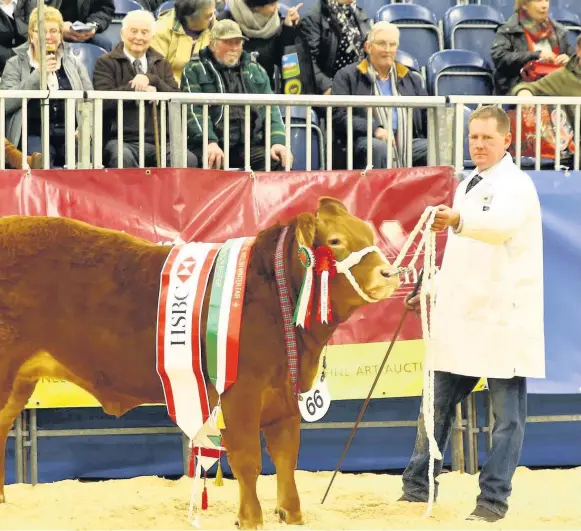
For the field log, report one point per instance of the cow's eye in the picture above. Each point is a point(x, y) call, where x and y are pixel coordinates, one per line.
point(334, 241)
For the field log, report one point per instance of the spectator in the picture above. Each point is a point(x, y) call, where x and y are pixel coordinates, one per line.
point(566, 81)
point(335, 31)
point(97, 12)
point(528, 35)
point(225, 67)
point(22, 72)
point(134, 66)
point(183, 32)
point(268, 33)
point(380, 75)
point(13, 30)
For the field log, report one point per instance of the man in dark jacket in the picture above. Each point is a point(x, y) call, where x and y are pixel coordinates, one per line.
point(511, 51)
point(223, 67)
point(133, 66)
point(13, 30)
point(335, 31)
point(96, 13)
point(380, 75)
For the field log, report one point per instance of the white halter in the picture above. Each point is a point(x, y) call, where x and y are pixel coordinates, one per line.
point(353, 259)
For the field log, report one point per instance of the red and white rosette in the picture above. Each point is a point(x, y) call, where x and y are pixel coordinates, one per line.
point(303, 310)
point(325, 267)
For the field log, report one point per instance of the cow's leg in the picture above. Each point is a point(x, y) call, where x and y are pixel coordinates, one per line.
point(242, 441)
point(282, 443)
point(13, 398)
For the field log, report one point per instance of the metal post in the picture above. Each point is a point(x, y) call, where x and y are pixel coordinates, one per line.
point(44, 103)
point(458, 463)
point(33, 430)
point(469, 430)
point(175, 133)
point(18, 449)
point(84, 158)
point(186, 452)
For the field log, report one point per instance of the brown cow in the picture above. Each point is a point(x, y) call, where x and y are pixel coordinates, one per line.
point(79, 303)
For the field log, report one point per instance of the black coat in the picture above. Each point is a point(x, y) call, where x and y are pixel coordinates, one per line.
point(99, 11)
point(354, 80)
point(13, 33)
point(510, 52)
point(322, 36)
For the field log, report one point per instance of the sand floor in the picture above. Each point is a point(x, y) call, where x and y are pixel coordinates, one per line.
point(542, 499)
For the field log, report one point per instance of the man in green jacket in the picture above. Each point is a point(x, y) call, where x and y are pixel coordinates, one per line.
point(223, 67)
point(565, 81)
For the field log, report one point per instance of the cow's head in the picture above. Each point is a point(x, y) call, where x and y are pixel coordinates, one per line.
point(352, 242)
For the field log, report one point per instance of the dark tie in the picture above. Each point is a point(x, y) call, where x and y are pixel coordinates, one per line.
point(473, 182)
point(137, 66)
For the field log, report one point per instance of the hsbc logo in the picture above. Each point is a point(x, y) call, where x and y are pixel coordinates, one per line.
point(186, 269)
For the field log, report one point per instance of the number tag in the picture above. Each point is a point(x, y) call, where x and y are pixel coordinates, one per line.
point(315, 403)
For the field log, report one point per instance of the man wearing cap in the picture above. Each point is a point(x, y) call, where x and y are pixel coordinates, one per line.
point(224, 67)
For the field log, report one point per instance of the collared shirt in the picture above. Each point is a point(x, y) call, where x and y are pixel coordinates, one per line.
point(142, 60)
point(9, 8)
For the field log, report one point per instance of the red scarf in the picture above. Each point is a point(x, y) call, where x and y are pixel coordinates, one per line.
point(538, 31)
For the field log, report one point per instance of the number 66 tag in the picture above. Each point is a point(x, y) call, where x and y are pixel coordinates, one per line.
point(315, 403)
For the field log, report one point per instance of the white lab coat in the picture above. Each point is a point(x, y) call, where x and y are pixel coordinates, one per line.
point(488, 310)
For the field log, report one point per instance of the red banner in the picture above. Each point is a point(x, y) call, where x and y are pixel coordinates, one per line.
point(212, 206)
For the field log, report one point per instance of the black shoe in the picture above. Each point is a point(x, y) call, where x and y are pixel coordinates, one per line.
point(406, 498)
point(482, 514)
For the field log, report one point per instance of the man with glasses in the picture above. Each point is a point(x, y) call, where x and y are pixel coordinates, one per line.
point(380, 75)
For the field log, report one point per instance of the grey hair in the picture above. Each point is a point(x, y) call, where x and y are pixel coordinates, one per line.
point(138, 15)
point(383, 25)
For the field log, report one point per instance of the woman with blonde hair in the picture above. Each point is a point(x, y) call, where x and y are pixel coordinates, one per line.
point(527, 36)
point(22, 72)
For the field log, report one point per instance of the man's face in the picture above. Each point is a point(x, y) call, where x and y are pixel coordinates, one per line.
point(227, 51)
point(137, 36)
point(201, 20)
point(382, 49)
point(487, 145)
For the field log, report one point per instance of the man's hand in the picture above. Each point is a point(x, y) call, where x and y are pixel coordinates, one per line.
point(76, 36)
point(381, 134)
point(413, 303)
point(292, 16)
point(445, 217)
point(139, 83)
point(279, 152)
point(215, 156)
point(562, 59)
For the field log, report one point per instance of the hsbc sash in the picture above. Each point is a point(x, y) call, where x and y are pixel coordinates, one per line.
point(179, 355)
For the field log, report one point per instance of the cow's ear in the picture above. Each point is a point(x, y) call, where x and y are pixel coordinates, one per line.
point(306, 228)
point(326, 202)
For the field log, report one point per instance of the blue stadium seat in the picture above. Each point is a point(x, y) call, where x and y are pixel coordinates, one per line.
point(408, 60)
point(574, 6)
point(87, 54)
point(299, 139)
point(164, 8)
point(506, 7)
point(570, 20)
point(472, 27)
point(371, 7)
point(420, 34)
point(122, 7)
point(113, 31)
point(459, 72)
point(438, 7)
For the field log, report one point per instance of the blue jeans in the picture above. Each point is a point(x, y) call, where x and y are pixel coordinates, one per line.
point(509, 402)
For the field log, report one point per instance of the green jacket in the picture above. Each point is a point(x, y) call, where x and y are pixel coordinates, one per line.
point(201, 76)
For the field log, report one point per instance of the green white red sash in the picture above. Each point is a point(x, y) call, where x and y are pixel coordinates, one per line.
point(225, 312)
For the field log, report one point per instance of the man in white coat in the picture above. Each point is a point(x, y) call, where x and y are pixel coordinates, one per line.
point(487, 319)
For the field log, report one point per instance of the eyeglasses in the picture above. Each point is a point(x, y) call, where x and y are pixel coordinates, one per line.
point(51, 31)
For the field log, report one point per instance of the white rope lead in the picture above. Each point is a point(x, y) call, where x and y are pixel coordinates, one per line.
point(427, 242)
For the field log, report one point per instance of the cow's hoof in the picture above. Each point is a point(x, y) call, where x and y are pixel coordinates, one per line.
point(291, 518)
point(2, 498)
point(247, 525)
